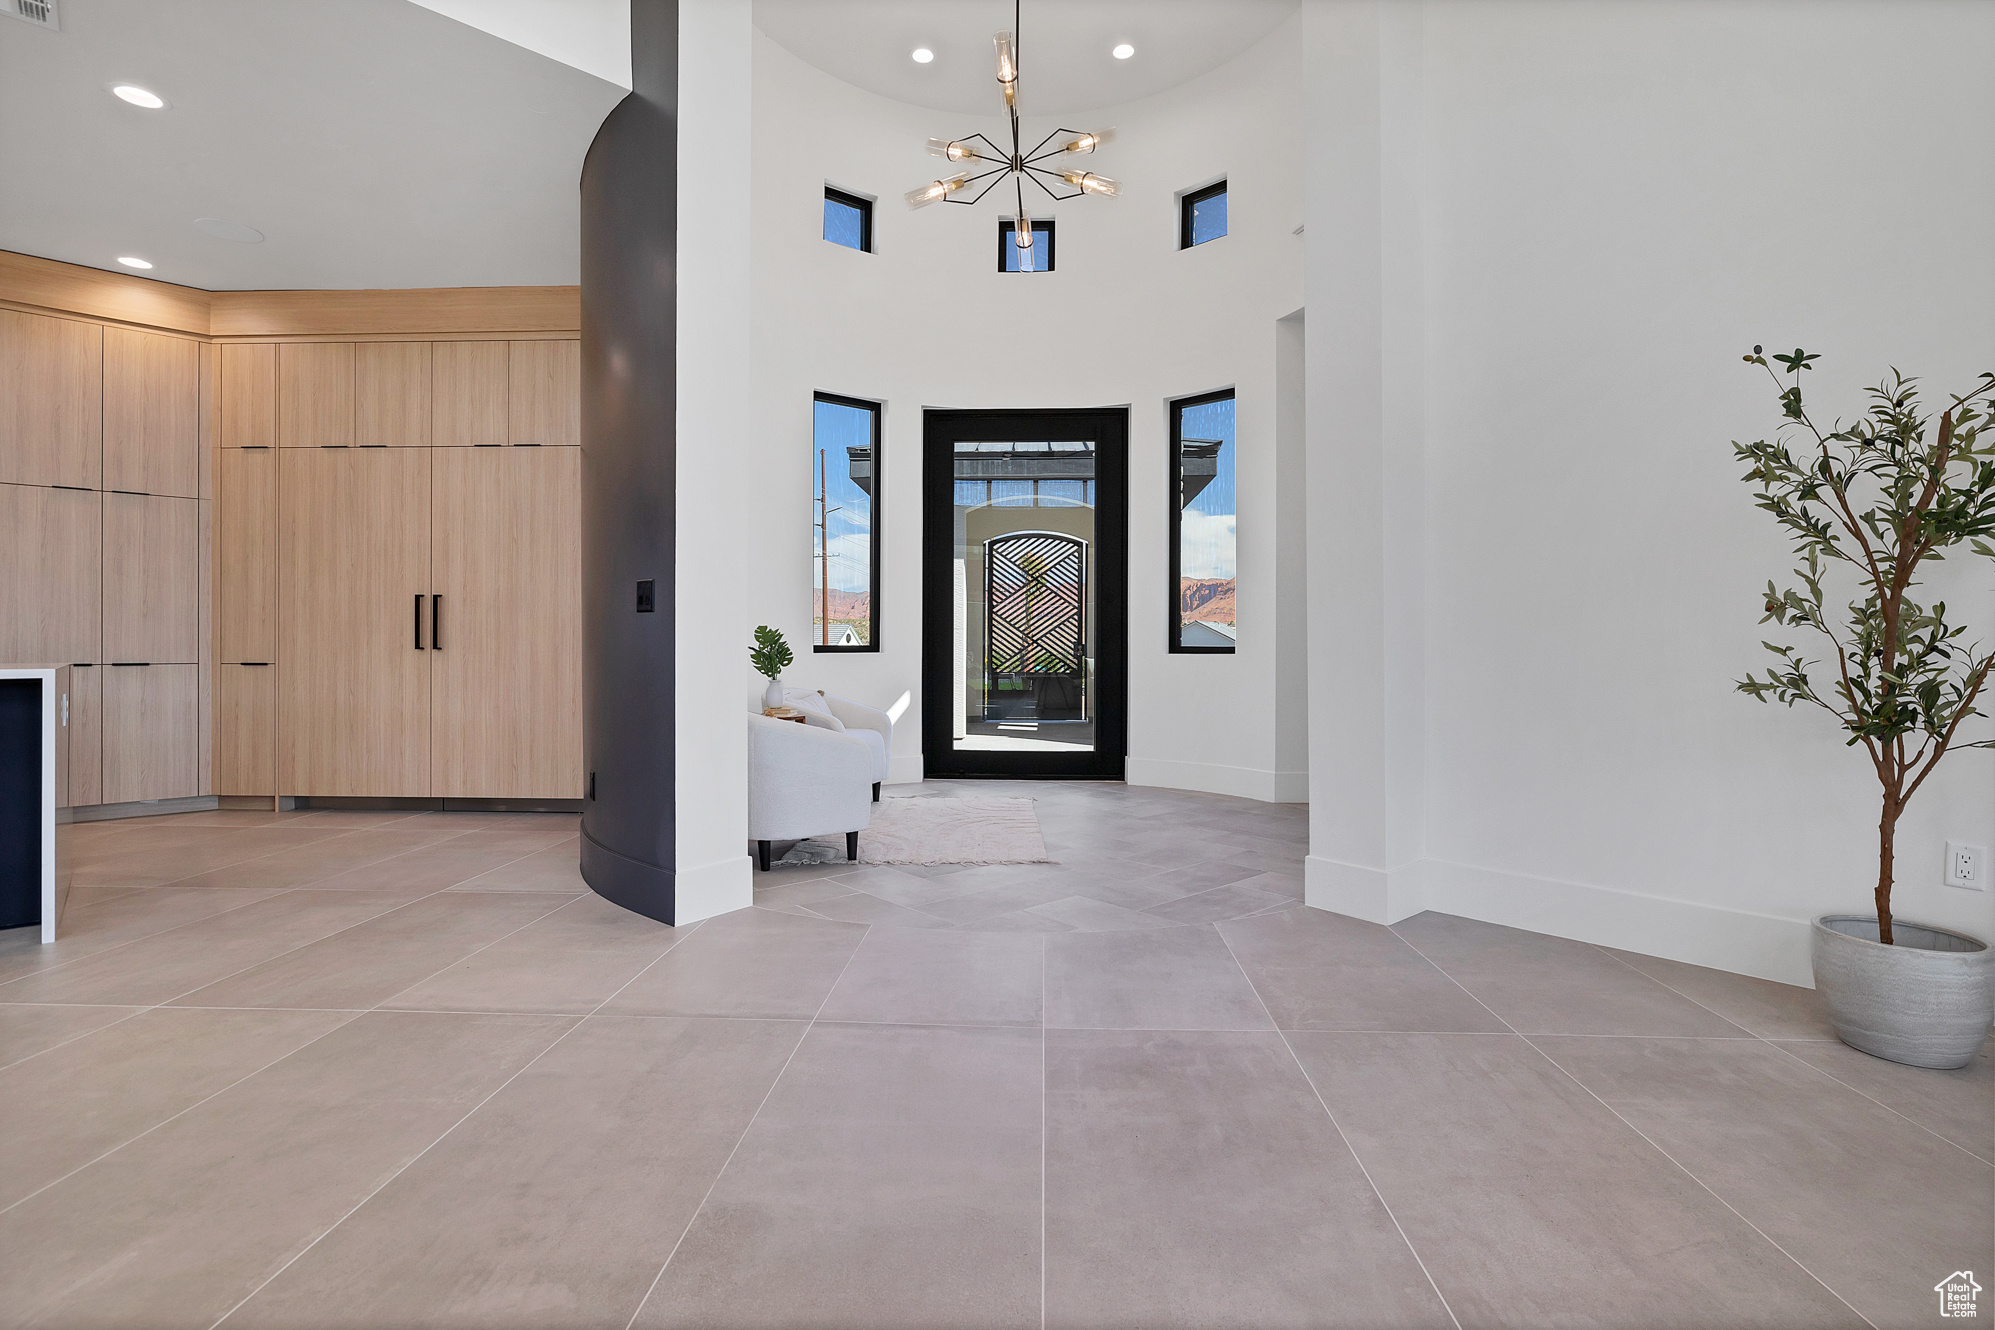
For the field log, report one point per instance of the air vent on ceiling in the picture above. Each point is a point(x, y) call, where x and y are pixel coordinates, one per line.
point(41, 13)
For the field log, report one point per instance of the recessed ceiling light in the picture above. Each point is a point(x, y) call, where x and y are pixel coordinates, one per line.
point(1123, 52)
point(137, 96)
point(922, 55)
point(215, 226)
point(130, 262)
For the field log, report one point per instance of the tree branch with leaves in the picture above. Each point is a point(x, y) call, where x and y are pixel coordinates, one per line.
point(1881, 498)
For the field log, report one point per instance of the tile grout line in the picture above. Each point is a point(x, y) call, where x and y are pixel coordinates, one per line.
point(413, 900)
point(494, 942)
point(699, 1209)
point(182, 1113)
point(1637, 1130)
point(142, 1010)
point(576, 1024)
point(282, 891)
point(1045, 1096)
point(1776, 1045)
point(1338, 1127)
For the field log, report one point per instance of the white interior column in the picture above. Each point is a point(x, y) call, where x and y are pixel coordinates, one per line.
point(717, 511)
point(1365, 480)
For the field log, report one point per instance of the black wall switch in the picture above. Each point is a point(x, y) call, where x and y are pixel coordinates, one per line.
point(647, 597)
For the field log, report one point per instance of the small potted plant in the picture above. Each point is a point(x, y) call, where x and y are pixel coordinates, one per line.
point(1876, 501)
point(770, 656)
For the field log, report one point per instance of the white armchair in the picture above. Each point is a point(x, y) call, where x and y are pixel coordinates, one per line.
point(805, 781)
point(869, 725)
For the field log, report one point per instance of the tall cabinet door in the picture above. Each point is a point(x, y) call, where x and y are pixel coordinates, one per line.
point(506, 719)
point(353, 556)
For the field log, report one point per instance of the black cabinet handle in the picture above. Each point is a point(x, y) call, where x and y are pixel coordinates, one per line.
point(419, 621)
point(436, 623)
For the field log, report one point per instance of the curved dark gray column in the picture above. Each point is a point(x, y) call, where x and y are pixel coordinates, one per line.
point(629, 450)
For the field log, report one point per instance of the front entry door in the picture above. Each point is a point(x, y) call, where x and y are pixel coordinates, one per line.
point(1024, 569)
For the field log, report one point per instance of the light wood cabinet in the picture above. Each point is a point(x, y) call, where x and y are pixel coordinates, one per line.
point(505, 674)
point(86, 735)
point(391, 394)
point(152, 579)
point(246, 556)
point(50, 583)
point(51, 401)
point(152, 719)
point(152, 406)
point(248, 397)
point(315, 395)
point(353, 557)
point(245, 729)
point(471, 394)
point(545, 398)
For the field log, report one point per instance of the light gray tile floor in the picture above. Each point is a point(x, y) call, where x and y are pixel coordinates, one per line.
point(392, 1069)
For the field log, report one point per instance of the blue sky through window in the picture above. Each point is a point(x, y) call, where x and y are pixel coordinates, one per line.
point(1206, 527)
point(849, 529)
point(1208, 218)
point(1027, 260)
point(844, 224)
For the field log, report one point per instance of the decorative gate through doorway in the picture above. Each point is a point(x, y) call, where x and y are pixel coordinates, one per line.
point(1035, 583)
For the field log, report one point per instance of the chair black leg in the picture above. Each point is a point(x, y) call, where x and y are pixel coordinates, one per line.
point(852, 846)
point(876, 791)
point(762, 854)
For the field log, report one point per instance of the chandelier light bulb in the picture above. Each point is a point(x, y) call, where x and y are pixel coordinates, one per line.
point(935, 189)
point(1021, 231)
point(1091, 183)
point(1007, 67)
point(1089, 142)
point(955, 152)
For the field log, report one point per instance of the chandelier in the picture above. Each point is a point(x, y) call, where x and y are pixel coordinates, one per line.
point(1018, 165)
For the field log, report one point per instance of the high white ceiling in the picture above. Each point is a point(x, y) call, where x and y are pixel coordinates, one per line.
point(386, 143)
point(375, 143)
point(1064, 63)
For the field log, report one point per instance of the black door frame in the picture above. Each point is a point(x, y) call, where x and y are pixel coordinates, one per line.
point(942, 430)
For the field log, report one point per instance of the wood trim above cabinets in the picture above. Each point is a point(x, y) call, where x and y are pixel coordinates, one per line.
point(430, 311)
point(49, 284)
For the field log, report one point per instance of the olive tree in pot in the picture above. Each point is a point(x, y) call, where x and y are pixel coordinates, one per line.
point(1877, 500)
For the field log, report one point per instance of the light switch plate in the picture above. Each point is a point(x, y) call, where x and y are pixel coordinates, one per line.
point(1967, 866)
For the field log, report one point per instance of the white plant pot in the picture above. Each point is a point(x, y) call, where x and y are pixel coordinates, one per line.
point(1927, 1000)
point(772, 696)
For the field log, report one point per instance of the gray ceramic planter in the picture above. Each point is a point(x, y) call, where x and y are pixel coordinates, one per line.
point(1927, 1000)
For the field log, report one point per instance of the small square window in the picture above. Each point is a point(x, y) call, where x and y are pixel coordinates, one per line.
point(1202, 215)
point(1038, 257)
point(848, 220)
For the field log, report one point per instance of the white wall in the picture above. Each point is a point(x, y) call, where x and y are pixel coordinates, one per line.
point(714, 446)
point(1615, 202)
point(1126, 318)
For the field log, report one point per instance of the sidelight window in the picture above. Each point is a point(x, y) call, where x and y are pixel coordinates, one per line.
point(1201, 215)
point(845, 548)
point(1203, 520)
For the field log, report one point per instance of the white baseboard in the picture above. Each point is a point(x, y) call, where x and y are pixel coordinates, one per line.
point(711, 889)
point(1376, 895)
point(1765, 946)
point(1273, 787)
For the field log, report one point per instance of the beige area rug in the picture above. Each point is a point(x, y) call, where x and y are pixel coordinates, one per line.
point(939, 831)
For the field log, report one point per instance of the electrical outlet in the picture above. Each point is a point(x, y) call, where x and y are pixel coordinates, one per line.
point(1967, 866)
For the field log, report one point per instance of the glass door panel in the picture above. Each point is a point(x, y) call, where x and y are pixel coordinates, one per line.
point(1024, 566)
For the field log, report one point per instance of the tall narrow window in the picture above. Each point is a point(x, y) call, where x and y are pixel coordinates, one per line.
point(845, 551)
point(1203, 510)
point(1201, 215)
point(848, 220)
point(1036, 257)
